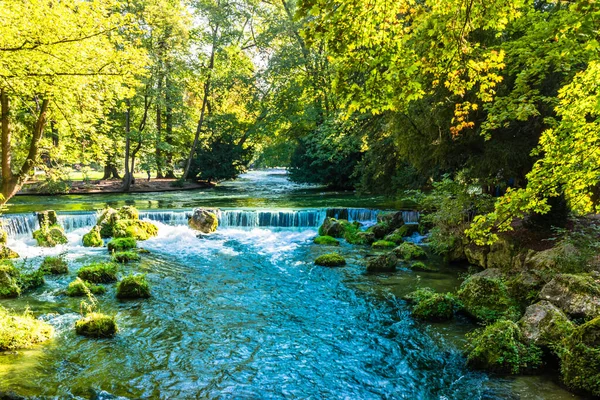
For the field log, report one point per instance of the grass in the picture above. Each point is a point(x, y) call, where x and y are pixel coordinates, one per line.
point(22, 331)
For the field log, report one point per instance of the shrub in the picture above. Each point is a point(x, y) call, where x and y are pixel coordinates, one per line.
point(125, 256)
point(133, 287)
point(96, 325)
point(500, 348)
point(54, 265)
point(122, 244)
point(330, 260)
point(326, 240)
point(22, 331)
point(99, 273)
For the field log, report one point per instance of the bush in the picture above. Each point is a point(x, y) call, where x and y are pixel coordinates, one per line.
point(500, 348)
point(96, 325)
point(79, 288)
point(54, 265)
point(122, 244)
point(9, 284)
point(22, 331)
point(125, 256)
point(99, 273)
point(326, 240)
point(330, 260)
point(133, 287)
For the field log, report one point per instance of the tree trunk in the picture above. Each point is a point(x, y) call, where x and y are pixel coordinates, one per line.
point(127, 177)
point(158, 152)
point(211, 65)
point(170, 173)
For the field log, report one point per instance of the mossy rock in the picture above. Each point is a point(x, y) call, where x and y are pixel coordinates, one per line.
point(500, 347)
point(437, 307)
point(6, 253)
point(47, 218)
point(545, 325)
point(125, 256)
point(487, 299)
point(9, 284)
point(354, 236)
point(398, 235)
point(332, 227)
point(54, 265)
point(383, 244)
point(382, 263)
point(326, 240)
point(99, 273)
point(392, 219)
point(128, 212)
point(576, 294)
point(380, 230)
point(580, 358)
point(93, 238)
point(22, 331)
point(3, 236)
point(134, 228)
point(50, 236)
point(203, 220)
point(31, 280)
point(133, 287)
point(421, 266)
point(330, 260)
point(106, 221)
point(419, 295)
point(122, 244)
point(79, 288)
point(410, 251)
point(96, 325)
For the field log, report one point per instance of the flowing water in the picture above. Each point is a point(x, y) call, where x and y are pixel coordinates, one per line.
point(244, 313)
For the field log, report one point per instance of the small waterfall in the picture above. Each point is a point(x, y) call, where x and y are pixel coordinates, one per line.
point(17, 225)
point(271, 218)
point(167, 217)
point(411, 217)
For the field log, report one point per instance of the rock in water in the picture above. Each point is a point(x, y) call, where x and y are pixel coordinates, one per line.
point(545, 325)
point(204, 220)
point(576, 295)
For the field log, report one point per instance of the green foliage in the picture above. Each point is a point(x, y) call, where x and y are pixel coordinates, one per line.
point(54, 265)
point(431, 306)
point(9, 275)
point(96, 325)
point(79, 288)
point(326, 240)
point(125, 256)
point(56, 181)
point(409, 251)
point(487, 299)
point(383, 244)
point(22, 331)
point(133, 287)
point(330, 260)
point(577, 247)
point(500, 348)
point(421, 266)
point(31, 280)
point(580, 358)
point(122, 244)
point(220, 159)
point(99, 273)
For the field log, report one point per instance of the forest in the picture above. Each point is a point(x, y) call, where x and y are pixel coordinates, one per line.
point(481, 116)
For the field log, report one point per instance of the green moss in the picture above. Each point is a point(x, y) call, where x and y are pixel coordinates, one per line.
point(6, 253)
point(580, 358)
point(326, 240)
point(3, 236)
point(133, 287)
point(330, 260)
point(99, 273)
point(54, 265)
point(106, 221)
point(419, 295)
point(22, 331)
point(50, 236)
point(79, 288)
point(31, 280)
point(409, 251)
point(438, 307)
point(125, 256)
point(400, 233)
point(122, 244)
point(9, 285)
point(381, 229)
point(133, 228)
point(487, 299)
point(96, 325)
point(500, 348)
point(128, 212)
point(383, 244)
point(382, 263)
point(93, 238)
point(359, 237)
point(421, 266)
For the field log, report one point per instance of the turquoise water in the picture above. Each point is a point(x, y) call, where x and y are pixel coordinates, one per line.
point(244, 314)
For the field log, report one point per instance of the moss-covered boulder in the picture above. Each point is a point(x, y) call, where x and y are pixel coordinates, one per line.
point(525, 287)
point(410, 251)
point(438, 307)
point(382, 263)
point(487, 298)
point(500, 347)
point(391, 219)
point(133, 287)
point(383, 244)
point(419, 295)
point(326, 240)
point(477, 255)
point(128, 212)
point(330, 260)
point(31, 280)
point(79, 288)
point(398, 234)
point(545, 325)
point(99, 273)
point(580, 358)
point(22, 331)
point(93, 238)
point(332, 227)
point(576, 295)
point(47, 218)
point(204, 220)
point(107, 219)
point(122, 244)
point(355, 236)
point(134, 228)
point(6, 253)
point(54, 265)
point(50, 236)
point(97, 325)
point(125, 256)
point(422, 267)
point(381, 229)
point(9, 280)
